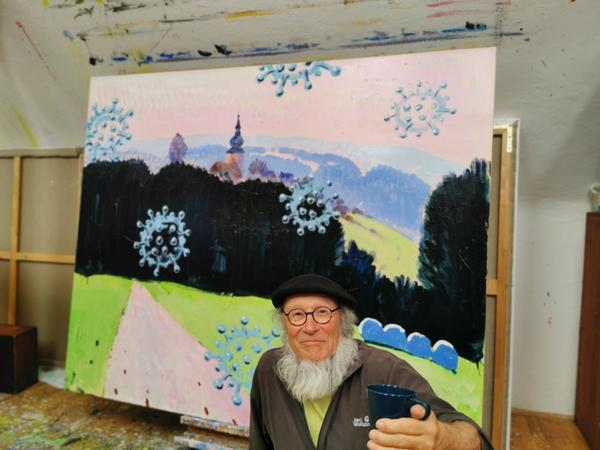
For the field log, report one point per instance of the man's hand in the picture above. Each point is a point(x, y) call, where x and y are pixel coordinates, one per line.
point(416, 434)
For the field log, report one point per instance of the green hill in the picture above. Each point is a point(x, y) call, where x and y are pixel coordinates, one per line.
point(99, 302)
point(394, 253)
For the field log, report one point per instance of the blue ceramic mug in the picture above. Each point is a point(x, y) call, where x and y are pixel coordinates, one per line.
point(392, 402)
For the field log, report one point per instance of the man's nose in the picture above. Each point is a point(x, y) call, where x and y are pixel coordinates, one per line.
point(311, 326)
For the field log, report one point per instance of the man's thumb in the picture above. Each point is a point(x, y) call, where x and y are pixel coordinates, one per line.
point(417, 412)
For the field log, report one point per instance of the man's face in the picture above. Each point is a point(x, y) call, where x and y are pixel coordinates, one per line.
point(312, 341)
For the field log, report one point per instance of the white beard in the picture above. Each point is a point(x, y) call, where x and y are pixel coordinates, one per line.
point(309, 380)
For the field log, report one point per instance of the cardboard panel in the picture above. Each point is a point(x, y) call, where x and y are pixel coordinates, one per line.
point(50, 196)
point(6, 180)
point(43, 301)
point(3, 291)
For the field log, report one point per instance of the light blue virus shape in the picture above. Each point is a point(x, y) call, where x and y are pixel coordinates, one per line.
point(280, 74)
point(308, 207)
point(162, 240)
point(420, 110)
point(107, 131)
point(237, 354)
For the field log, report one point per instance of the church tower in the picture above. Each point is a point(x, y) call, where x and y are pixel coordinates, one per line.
point(236, 152)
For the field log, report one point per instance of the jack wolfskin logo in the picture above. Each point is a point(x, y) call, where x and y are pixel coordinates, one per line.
point(361, 422)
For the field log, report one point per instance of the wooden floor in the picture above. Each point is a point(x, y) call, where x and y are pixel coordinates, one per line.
point(533, 430)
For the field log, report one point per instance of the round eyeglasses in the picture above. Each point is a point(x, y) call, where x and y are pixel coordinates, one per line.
point(321, 315)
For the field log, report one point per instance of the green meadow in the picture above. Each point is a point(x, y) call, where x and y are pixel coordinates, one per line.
point(200, 313)
point(393, 252)
point(97, 305)
point(100, 301)
point(463, 390)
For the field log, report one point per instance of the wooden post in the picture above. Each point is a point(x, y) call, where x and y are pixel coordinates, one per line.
point(503, 284)
point(15, 226)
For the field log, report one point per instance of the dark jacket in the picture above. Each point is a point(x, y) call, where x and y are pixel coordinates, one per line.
point(277, 420)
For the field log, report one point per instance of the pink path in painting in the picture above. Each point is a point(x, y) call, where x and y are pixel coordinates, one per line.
point(155, 362)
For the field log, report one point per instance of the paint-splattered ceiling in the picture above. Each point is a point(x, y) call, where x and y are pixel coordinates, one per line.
point(50, 48)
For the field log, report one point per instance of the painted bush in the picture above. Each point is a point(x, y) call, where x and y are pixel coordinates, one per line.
point(393, 336)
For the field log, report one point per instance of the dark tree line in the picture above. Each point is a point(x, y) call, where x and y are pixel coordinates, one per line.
point(450, 301)
point(452, 257)
point(239, 244)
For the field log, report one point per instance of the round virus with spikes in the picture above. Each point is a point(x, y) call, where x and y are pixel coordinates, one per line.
point(237, 354)
point(280, 74)
point(420, 110)
point(162, 240)
point(107, 130)
point(308, 206)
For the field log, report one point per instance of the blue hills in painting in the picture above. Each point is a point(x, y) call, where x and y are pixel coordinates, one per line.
point(387, 194)
point(428, 167)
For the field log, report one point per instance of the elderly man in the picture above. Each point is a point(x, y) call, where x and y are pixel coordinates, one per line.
point(311, 393)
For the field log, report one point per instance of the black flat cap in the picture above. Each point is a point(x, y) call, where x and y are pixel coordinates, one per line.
point(311, 283)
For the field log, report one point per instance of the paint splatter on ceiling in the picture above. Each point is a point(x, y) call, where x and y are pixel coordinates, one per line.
point(56, 45)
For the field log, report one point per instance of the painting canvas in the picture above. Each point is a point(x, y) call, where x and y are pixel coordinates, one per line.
point(203, 190)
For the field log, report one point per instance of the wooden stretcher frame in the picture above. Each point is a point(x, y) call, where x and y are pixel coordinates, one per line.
point(498, 288)
point(13, 255)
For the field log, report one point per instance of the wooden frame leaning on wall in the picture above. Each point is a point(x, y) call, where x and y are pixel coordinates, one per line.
point(498, 286)
point(499, 280)
point(14, 256)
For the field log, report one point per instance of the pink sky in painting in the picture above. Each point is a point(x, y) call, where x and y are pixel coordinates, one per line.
point(349, 108)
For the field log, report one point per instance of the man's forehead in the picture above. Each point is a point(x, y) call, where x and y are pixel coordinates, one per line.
point(309, 299)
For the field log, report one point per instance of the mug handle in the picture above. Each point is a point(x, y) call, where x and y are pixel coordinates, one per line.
point(424, 405)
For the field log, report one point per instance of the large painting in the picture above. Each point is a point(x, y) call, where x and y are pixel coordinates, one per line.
point(203, 190)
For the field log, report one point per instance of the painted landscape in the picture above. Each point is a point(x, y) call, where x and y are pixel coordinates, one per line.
point(202, 191)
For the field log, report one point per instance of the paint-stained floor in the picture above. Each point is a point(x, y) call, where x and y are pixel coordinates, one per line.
point(46, 417)
point(52, 375)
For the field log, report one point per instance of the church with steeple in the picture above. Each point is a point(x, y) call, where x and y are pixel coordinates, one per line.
point(232, 168)
point(236, 152)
